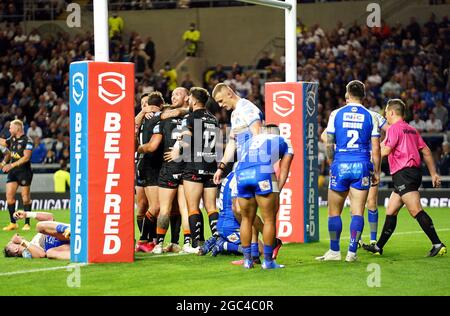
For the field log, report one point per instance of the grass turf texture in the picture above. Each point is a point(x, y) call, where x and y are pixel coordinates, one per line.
point(404, 269)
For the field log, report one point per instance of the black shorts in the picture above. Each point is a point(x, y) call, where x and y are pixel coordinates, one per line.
point(407, 180)
point(206, 179)
point(170, 179)
point(22, 176)
point(147, 177)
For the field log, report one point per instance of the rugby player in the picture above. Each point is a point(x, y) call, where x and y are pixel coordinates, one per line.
point(246, 121)
point(170, 177)
point(403, 146)
point(52, 240)
point(372, 198)
point(198, 144)
point(147, 172)
point(141, 199)
point(352, 134)
point(258, 187)
point(16, 163)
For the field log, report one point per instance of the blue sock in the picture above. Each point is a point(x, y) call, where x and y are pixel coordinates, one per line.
point(60, 228)
point(254, 249)
point(373, 222)
point(335, 230)
point(228, 246)
point(268, 253)
point(356, 228)
point(247, 253)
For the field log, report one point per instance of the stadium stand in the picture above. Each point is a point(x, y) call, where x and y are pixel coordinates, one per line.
point(408, 61)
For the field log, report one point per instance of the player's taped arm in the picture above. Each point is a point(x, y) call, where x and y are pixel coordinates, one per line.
point(39, 216)
point(152, 145)
point(330, 147)
point(285, 166)
point(3, 142)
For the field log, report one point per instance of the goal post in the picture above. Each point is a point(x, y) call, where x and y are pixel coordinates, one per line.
point(293, 106)
point(102, 153)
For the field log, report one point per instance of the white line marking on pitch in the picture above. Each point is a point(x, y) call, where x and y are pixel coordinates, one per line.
point(405, 233)
point(43, 269)
point(175, 255)
point(81, 265)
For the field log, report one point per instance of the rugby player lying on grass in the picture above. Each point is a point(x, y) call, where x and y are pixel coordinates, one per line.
point(52, 240)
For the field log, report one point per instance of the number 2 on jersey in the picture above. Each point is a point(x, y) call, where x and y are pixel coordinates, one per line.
point(354, 135)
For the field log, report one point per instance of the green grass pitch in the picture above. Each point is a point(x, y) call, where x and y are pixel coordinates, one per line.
point(403, 269)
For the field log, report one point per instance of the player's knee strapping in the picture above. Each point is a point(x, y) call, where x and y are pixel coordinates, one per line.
point(61, 228)
point(335, 230)
point(373, 222)
point(356, 228)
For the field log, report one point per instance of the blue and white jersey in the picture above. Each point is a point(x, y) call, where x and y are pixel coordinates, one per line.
point(264, 150)
point(353, 127)
point(381, 120)
point(227, 221)
point(243, 116)
point(53, 242)
point(47, 242)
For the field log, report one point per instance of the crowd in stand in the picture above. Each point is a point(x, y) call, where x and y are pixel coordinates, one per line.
point(411, 62)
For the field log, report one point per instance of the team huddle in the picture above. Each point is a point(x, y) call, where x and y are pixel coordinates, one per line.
point(177, 169)
point(178, 148)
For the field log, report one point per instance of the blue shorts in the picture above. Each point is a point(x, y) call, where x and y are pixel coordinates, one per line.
point(344, 175)
point(251, 182)
point(231, 235)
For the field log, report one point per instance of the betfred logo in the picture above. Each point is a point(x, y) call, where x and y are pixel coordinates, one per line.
point(111, 87)
point(311, 102)
point(78, 87)
point(283, 103)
